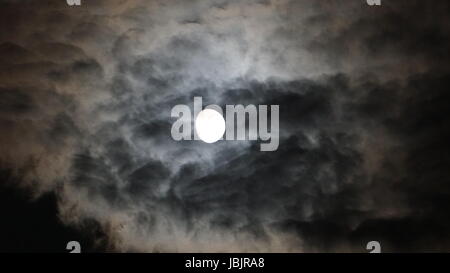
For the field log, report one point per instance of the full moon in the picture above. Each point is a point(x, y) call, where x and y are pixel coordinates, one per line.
point(209, 125)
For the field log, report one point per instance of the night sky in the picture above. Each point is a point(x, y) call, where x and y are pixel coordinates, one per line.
point(86, 153)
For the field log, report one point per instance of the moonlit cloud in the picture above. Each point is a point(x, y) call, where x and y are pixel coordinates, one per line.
point(86, 94)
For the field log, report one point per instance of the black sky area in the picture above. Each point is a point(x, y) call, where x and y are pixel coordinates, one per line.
point(34, 226)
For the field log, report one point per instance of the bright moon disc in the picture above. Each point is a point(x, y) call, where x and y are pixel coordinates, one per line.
point(209, 125)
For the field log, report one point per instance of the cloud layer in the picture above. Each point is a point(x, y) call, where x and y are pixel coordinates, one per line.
point(86, 94)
